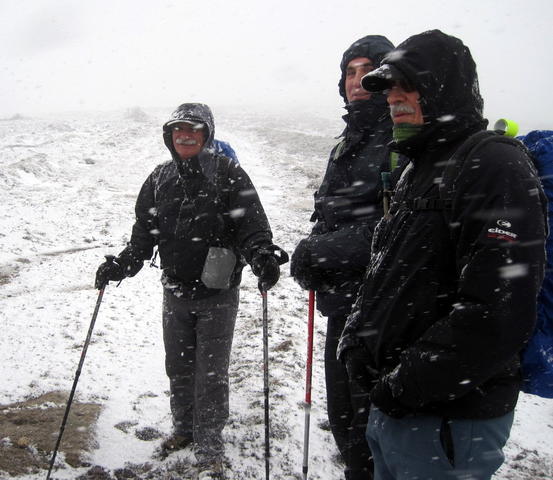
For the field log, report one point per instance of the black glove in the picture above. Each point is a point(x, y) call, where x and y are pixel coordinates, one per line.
point(356, 361)
point(108, 271)
point(383, 398)
point(265, 265)
point(306, 271)
point(266, 269)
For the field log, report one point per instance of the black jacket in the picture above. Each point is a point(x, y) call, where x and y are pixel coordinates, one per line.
point(448, 301)
point(348, 204)
point(185, 207)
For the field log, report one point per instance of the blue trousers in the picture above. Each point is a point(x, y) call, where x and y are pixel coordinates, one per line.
point(425, 447)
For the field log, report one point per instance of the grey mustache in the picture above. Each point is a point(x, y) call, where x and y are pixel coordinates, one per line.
point(401, 108)
point(182, 141)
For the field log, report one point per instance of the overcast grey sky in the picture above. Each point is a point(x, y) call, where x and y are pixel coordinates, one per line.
point(61, 55)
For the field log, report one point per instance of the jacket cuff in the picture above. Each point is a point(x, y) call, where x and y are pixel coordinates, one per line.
point(403, 387)
point(347, 342)
point(131, 260)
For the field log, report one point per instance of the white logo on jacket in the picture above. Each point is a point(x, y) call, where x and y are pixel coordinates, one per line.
point(501, 234)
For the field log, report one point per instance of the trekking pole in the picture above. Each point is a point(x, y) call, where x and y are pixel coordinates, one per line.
point(281, 257)
point(109, 258)
point(308, 375)
point(266, 379)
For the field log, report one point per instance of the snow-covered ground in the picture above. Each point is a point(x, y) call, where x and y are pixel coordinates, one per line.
point(68, 186)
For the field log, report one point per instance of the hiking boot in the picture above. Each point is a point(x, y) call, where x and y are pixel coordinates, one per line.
point(211, 470)
point(172, 444)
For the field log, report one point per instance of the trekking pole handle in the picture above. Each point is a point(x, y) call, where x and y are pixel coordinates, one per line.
point(111, 259)
point(281, 256)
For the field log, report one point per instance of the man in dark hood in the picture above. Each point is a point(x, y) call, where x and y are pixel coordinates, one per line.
point(332, 259)
point(202, 212)
point(449, 296)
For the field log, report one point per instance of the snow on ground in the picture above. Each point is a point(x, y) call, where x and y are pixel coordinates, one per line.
point(68, 188)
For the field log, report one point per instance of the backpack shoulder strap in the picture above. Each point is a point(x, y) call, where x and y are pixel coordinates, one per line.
point(452, 169)
point(456, 162)
point(222, 171)
point(221, 180)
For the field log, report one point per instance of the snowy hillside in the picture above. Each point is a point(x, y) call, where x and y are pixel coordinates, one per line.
point(68, 187)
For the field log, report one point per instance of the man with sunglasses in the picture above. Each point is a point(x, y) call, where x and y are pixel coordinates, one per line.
point(204, 215)
point(447, 303)
point(332, 259)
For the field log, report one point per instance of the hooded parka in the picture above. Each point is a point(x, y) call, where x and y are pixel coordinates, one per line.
point(449, 300)
point(348, 203)
point(187, 206)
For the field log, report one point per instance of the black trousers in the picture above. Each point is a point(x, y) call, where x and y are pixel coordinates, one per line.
point(198, 339)
point(347, 406)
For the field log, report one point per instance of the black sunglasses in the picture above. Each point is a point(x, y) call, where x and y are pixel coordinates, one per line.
point(401, 83)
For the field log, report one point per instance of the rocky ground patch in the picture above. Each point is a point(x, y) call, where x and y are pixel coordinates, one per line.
point(30, 430)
